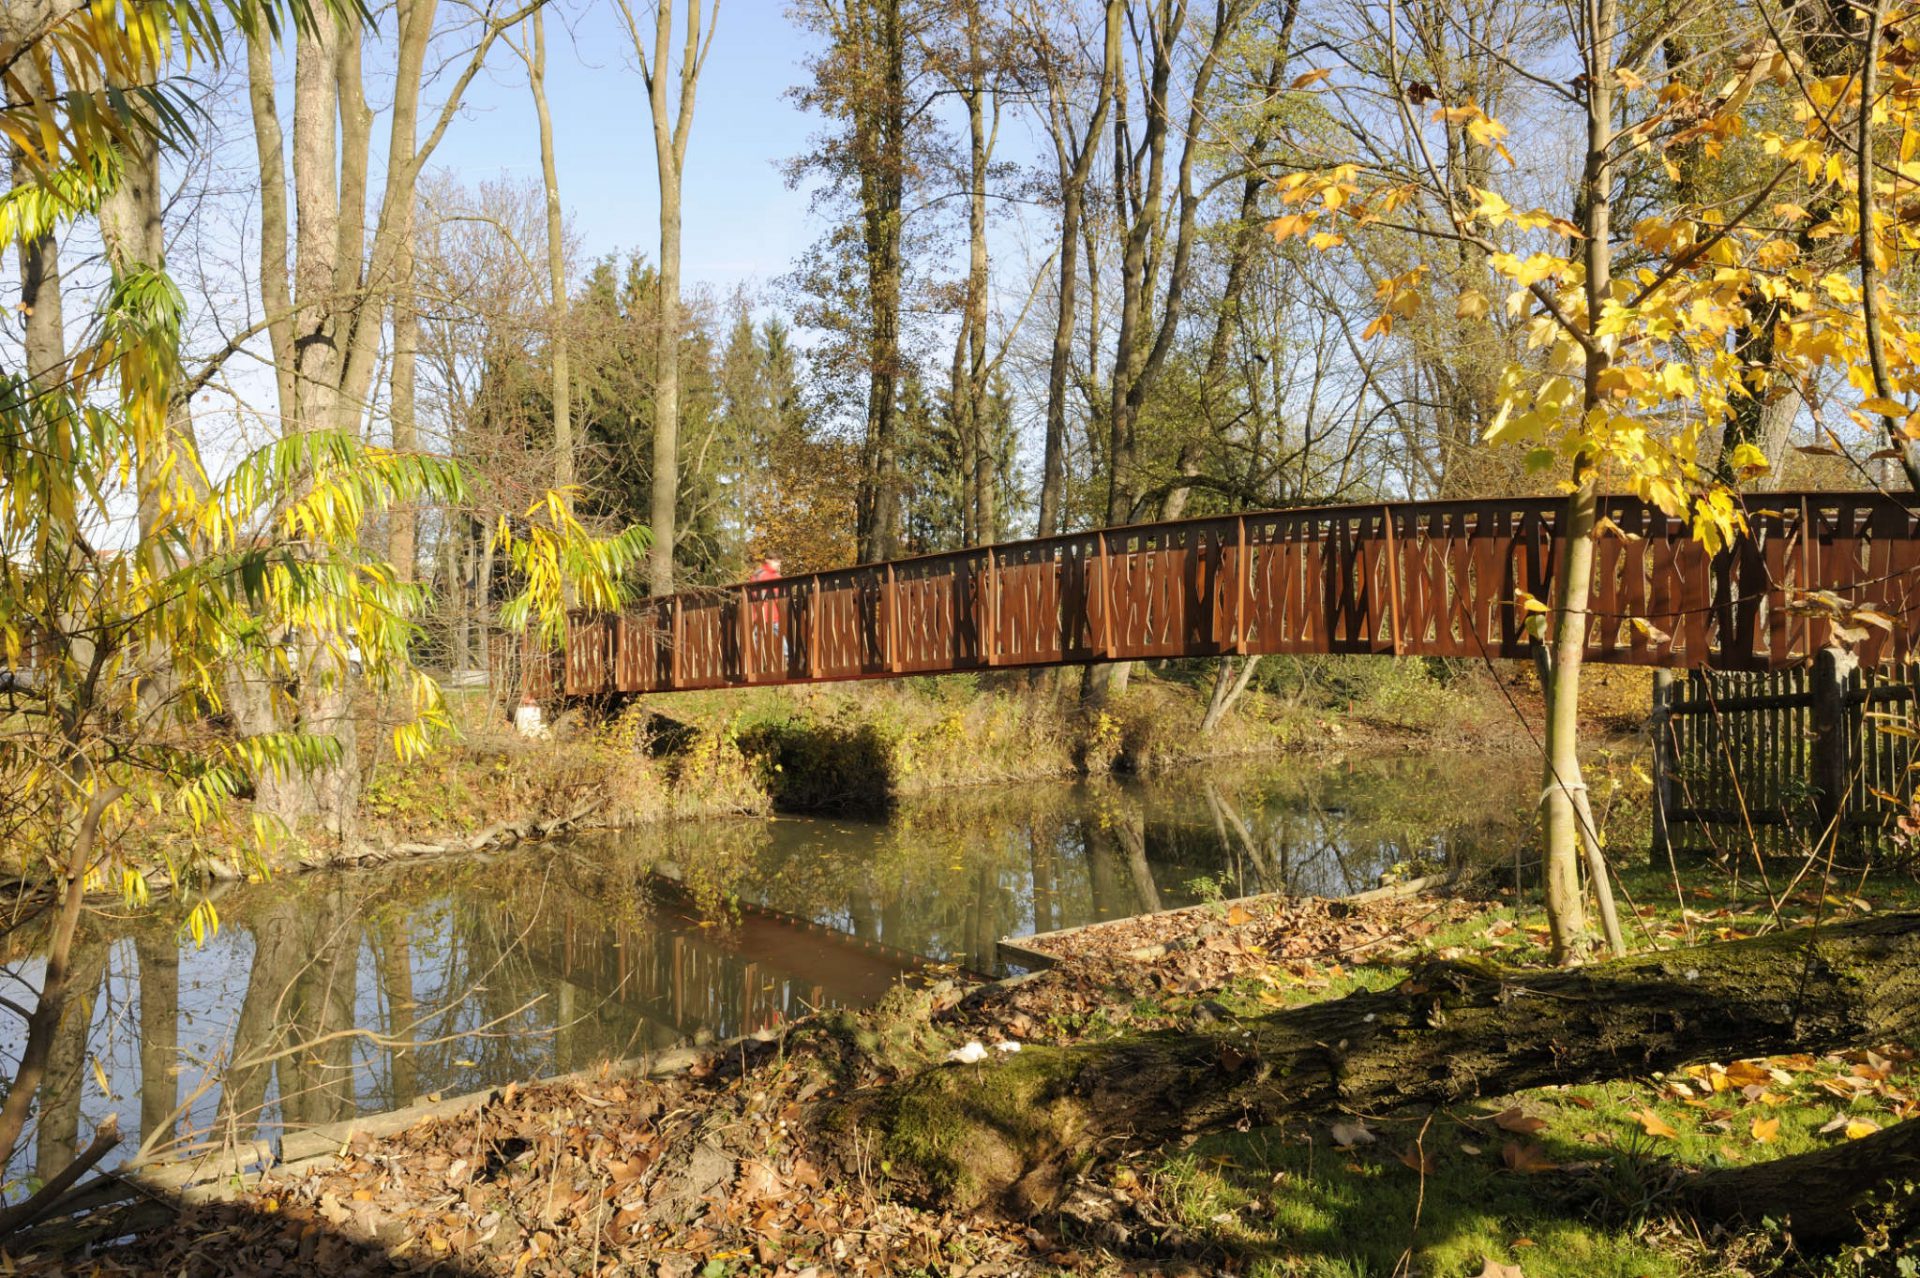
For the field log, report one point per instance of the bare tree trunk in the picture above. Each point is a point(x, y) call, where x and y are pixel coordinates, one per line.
point(460, 589)
point(559, 336)
point(671, 128)
point(325, 322)
point(1138, 358)
point(983, 480)
point(41, 312)
point(276, 298)
point(1227, 689)
point(1870, 252)
point(1075, 165)
point(1249, 231)
point(403, 539)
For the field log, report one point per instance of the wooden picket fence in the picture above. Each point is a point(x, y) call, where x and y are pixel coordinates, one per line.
point(1776, 759)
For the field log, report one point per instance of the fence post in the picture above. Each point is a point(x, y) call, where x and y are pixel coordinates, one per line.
point(1833, 669)
point(746, 635)
point(1660, 722)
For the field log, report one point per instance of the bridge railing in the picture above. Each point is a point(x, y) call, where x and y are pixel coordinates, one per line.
point(1403, 578)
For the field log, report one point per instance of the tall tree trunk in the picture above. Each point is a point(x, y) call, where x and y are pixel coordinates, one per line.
point(1248, 234)
point(1140, 355)
point(1074, 159)
point(1228, 685)
point(327, 313)
point(672, 126)
point(559, 337)
point(880, 128)
point(403, 539)
point(983, 480)
point(276, 298)
point(1573, 570)
point(42, 315)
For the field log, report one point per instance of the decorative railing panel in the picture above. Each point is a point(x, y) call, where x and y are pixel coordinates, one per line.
point(1440, 579)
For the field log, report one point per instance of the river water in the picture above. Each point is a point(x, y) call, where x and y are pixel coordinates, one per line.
point(323, 996)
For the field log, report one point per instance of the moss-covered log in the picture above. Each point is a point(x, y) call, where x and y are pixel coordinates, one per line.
point(1824, 1195)
point(1008, 1128)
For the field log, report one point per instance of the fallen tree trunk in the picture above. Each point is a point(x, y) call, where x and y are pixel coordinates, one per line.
point(1822, 1196)
point(1008, 1128)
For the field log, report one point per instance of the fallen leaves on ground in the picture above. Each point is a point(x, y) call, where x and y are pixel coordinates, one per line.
point(1654, 1125)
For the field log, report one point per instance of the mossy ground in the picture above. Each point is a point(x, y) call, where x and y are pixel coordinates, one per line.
point(1569, 1182)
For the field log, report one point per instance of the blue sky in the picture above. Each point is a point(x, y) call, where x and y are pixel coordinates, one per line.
point(742, 224)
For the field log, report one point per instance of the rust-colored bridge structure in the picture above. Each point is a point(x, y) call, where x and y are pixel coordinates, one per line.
point(1429, 579)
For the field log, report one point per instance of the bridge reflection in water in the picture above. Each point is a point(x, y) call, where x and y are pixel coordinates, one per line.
point(548, 960)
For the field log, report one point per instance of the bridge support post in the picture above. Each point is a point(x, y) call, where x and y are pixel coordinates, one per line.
point(1833, 733)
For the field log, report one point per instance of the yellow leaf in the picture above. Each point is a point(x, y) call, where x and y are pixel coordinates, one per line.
point(1285, 228)
point(1492, 207)
point(1749, 458)
point(1654, 1125)
point(1883, 407)
point(1861, 1127)
point(1765, 1130)
point(1658, 635)
point(1470, 305)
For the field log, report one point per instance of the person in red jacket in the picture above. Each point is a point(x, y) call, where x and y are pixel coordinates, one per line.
point(768, 609)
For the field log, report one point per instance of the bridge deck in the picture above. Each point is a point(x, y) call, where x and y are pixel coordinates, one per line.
point(1416, 578)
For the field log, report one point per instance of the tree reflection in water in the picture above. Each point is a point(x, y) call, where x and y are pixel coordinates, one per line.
point(323, 997)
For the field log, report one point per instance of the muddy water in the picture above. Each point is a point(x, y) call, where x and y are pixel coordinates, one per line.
point(326, 996)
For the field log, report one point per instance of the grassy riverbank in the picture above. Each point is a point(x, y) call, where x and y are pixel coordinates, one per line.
point(864, 745)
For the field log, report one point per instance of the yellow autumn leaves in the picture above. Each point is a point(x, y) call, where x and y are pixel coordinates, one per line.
point(1637, 391)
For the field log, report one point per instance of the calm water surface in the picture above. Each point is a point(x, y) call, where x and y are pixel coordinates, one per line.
point(324, 996)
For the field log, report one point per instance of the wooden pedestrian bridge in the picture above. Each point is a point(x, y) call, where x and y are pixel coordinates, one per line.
point(1426, 579)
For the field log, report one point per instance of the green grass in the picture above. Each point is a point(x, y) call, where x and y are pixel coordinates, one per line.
point(1288, 1201)
point(1576, 1182)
